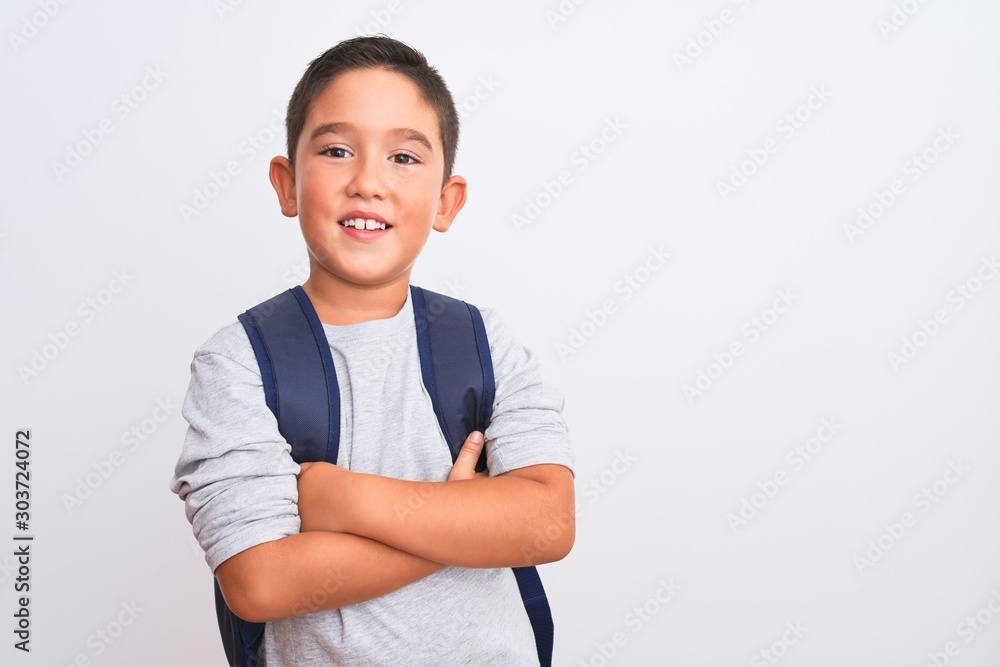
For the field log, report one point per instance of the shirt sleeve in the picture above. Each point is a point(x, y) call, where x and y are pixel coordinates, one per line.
point(527, 427)
point(235, 473)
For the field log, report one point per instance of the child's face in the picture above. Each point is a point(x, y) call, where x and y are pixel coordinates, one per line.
point(370, 146)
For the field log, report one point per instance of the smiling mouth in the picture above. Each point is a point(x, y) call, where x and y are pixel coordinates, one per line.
point(363, 223)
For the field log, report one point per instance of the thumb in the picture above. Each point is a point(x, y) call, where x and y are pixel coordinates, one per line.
point(471, 449)
point(468, 456)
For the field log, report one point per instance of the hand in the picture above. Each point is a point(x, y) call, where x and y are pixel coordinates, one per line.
point(468, 456)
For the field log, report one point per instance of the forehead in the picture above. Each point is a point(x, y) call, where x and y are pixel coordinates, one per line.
point(373, 101)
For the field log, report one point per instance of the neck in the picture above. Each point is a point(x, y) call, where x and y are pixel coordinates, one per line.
point(339, 303)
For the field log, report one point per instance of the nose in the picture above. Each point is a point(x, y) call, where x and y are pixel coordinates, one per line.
point(367, 178)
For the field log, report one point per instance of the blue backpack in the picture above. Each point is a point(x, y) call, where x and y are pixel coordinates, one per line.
point(300, 388)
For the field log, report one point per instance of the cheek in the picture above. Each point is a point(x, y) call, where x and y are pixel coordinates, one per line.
point(418, 203)
point(315, 198)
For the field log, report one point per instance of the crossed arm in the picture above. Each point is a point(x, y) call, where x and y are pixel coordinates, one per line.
point(363, 536)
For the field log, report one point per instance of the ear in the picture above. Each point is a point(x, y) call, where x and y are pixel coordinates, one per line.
point(283, 181)
point(450, 203)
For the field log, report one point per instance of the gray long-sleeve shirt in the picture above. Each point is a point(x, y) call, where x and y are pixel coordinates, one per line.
point(237, 479)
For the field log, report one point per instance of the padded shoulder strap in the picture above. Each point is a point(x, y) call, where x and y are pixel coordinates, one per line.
point(457, 369)
point(300, 388)
point(456, 365)
point(300, 381)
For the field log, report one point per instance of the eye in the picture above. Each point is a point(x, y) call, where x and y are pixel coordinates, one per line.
point(409, 159)
point(334, 149)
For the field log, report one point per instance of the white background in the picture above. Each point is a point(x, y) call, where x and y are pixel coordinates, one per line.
point(693, 458)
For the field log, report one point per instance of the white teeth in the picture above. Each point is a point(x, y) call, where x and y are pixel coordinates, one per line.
point(361, 223)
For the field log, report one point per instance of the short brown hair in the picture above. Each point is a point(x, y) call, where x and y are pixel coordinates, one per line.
point(383, 52)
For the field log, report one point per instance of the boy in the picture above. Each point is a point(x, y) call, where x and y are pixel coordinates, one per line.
point(321, 553)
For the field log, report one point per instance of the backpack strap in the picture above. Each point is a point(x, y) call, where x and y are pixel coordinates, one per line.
point(537, 605)
point(457, 369)
point(290, 345)
point(456, 366)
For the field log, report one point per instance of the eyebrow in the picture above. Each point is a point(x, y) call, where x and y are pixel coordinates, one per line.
point(401, 132)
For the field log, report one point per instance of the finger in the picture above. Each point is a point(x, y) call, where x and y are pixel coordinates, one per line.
point(468, 456)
